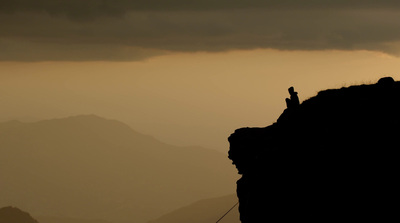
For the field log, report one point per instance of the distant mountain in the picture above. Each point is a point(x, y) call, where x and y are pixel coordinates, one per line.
point(68, 220)
point(204, 211)
point(90, 167)
point(14, 215)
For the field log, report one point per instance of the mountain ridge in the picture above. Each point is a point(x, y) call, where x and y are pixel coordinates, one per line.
point(11, 214)
point(204, 211)
point(117, 173)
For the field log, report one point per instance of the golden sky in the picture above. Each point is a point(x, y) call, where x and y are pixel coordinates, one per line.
point(188, 72)
point(184, 98)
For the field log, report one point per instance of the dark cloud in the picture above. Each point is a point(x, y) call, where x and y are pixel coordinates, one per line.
point(27, 51)
point(79, 9)
point(133, 30)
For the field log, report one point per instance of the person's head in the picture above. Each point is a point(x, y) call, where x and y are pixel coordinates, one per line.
point(291, 90)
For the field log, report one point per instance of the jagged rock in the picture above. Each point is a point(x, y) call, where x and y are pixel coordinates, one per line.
point(332, 158)
point(15, 215)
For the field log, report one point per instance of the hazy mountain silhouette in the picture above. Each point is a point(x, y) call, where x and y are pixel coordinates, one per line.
point(92, 168)
point(14, 215)
point(204, 211)
point(332, 158)
point(68, 220)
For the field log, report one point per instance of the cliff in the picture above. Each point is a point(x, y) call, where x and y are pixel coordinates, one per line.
point(334, 157)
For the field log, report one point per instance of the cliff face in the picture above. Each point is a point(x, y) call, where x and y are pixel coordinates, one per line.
point(332, 157)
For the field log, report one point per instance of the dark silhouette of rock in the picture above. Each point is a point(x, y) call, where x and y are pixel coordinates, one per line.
point(333, 158)
point(15, 215)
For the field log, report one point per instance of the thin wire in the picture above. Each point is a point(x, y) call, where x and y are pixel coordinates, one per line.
point(227, 212)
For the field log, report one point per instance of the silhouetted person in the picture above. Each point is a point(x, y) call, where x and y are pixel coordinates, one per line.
point(288, 103)
point(294, 99)
point(291, 103)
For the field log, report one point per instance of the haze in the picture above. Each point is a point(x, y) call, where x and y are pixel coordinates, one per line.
point(184, 98)
point(187, 73)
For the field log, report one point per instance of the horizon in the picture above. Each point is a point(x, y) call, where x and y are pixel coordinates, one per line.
point(201, 96)
point(188, 73)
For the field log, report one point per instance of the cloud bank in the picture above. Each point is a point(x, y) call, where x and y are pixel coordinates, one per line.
point(122, 30)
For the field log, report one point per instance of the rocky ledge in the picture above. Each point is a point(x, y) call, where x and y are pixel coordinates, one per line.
point(333, 157)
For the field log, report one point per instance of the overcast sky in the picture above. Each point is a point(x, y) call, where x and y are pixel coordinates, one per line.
point(188, 72)
point(126, 30)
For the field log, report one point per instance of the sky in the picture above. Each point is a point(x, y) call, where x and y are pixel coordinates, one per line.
point(187, 72)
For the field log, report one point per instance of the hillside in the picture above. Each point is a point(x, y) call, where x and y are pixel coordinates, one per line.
point(43, 219)
point(93, 168)
point(332, 158)
point(14, 215)
point(204, 211)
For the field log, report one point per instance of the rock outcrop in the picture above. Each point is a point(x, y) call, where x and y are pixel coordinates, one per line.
point(332, 158)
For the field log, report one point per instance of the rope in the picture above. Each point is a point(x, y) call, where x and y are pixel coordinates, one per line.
point(227, 212)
